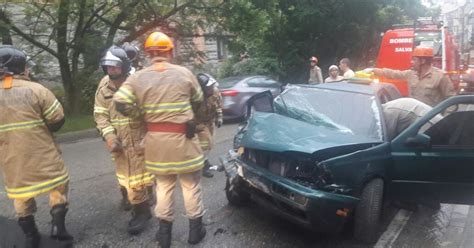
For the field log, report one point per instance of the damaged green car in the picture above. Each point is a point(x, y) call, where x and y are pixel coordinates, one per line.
point(318, 156)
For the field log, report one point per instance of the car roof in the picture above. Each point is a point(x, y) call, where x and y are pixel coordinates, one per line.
point(362, 88)
point(239, 78)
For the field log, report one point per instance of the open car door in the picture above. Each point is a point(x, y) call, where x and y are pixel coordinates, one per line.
point(261, 102)
point(435, 162)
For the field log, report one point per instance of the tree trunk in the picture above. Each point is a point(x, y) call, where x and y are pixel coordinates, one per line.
point(67, 76)
point(5, 34)
point(69, 86)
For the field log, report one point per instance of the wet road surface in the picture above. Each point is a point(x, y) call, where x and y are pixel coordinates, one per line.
point(96, 221)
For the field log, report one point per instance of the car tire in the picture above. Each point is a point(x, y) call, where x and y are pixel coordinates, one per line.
point(368, 212)
point(237, 196)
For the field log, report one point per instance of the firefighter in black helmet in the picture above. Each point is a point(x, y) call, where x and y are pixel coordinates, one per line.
point(123, 136)
point(32, 164)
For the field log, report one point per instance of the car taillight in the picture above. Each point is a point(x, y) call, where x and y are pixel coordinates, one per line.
point(229, 93)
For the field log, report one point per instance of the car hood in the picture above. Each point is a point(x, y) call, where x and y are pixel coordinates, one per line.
point(279, 133)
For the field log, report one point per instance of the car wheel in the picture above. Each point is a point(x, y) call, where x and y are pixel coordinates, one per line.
point(368, 212)
point(237, 196)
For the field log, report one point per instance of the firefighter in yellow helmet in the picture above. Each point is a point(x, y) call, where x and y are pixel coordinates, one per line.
point(209, 115)
point(123, 136)
point(168, 96)
point(426, 83)
point(31, 163)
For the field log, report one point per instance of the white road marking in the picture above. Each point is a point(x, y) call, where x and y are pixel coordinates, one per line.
point(394, 229)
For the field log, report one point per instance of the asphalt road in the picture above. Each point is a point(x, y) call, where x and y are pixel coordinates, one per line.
point(96, 221)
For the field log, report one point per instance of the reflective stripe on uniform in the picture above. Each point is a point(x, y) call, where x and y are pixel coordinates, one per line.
point(175, 166)
point(32, 191)
point(21, 125)
point(101, 110)
point(126, 95)
point(197, 97)
point(122, 122)
point(167, 107)
point(50, 111)
point(107, 130)
point(204, 144)
point(137, 180)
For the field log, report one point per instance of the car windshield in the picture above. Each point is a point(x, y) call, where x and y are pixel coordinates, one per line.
point(229, 82)
point(347, 112)
point(429, 39)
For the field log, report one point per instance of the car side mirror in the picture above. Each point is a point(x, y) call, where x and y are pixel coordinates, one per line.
point(419, 141)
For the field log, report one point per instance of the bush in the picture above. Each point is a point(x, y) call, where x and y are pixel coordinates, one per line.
point(59, 93)
point(89, 87)
point(251, 66)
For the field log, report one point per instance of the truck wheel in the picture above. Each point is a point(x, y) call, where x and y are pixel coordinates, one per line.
point(368, 212)
point(237, 195)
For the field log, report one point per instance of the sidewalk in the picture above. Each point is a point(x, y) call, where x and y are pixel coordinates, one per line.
point(452, 226)
point(76, 135)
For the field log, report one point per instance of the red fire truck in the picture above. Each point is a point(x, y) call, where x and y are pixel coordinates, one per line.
point(398, 43)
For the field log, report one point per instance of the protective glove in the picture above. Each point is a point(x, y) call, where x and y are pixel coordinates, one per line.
point(219, 122)
point(114, 145)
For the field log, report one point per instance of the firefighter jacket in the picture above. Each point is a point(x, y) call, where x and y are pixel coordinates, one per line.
point(166, 94)
point(130, 163)
point(31, 162)
point(431, 88)
point(207, 115)
point(401, 113)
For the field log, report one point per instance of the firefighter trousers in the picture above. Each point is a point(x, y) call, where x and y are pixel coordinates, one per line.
point(27, 206)
point(192, 195)
point(137, 194)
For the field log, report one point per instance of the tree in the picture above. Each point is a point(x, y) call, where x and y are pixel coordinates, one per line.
point(291, 31)
point(75, 33)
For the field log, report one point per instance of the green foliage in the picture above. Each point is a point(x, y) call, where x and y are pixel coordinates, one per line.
point(75, 33)
point(283, 34)
point(59, 93)
point(77, 123)
point(88, 89)
point(251, 66)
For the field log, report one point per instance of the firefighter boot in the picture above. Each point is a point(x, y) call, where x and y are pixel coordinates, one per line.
point(140, 215)
point(163, 236)
point(28, 226)
point(196, 231)
point(205, 171)
point(124, 203)
point(58, 226)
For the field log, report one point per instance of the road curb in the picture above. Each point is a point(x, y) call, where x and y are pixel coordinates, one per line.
point(76, 135)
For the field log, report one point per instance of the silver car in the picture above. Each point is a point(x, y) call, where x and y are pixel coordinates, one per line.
point(236, 91)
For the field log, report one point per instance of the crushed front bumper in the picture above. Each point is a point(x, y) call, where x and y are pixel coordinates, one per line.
point(315, 209)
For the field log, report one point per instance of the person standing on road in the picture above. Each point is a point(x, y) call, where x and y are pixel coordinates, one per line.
point(208, 116)
point(133, 55)
point(345, 66)
point(333, 75)
point(315, 75)
point(426, 83)
point(123, 136)
point(169, 96)
point(31, 162)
